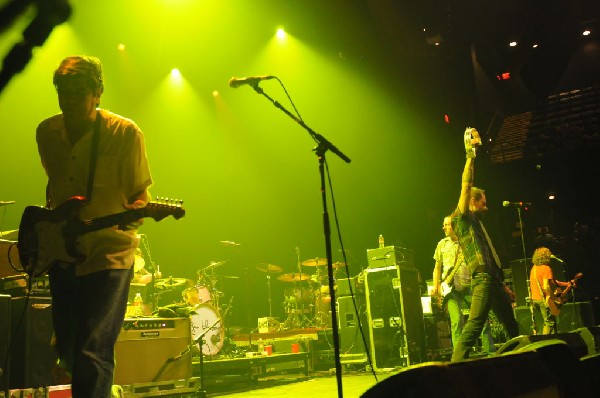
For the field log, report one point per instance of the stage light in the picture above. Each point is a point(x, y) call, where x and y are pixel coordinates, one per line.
point(121, 47)
point(586, 32)
point(512, 44)
point(280, 34)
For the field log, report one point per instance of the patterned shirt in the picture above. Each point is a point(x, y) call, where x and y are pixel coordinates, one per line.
point(471, 236)
point(446, 254)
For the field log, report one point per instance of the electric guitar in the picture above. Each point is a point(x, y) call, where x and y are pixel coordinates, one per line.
point(446, 285)
point(48, 236)
point(555, 300)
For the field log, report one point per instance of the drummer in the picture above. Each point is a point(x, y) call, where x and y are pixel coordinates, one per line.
point(140, 274)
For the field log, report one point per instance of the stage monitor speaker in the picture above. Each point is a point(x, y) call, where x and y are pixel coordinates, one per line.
point(575, 342)
point(147, 349)
point(395, 316)
point(4, 339)
point(31, 355)
point(352, 347)
point(591, 337)
point(550, 372)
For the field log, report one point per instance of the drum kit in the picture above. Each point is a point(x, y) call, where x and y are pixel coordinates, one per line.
point(306, 299)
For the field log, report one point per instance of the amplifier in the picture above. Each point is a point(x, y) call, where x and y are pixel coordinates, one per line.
point(150, 349)
point(390, 255)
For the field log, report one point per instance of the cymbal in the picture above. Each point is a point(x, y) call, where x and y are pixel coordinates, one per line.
point(170, 282)
point(269, 268)
point(313, 262)
point(215, 264)
point(9, 235)
point(338, 264)
point(293, 277)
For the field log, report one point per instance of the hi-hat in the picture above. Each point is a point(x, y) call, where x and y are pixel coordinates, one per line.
point(170, 282)
point(293, 277)
point(338, 264)
point(313, 262)
point(269, 268)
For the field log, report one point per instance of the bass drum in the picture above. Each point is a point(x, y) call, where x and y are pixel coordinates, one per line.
point(206, 317)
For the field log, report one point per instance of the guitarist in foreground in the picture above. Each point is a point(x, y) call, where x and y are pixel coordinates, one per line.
point(452, 286)
point(93, 153)
point(544, 299)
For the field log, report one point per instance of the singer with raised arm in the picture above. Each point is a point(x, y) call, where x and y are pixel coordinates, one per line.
point(489, 291)
point(451, 286)
point(545, 300)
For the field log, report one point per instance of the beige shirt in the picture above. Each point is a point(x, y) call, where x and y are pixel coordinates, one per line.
point(121, 172)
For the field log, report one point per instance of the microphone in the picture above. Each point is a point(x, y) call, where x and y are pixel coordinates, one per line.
point(7, 202)
point(506, 203)
point(235, 82)
point(552, 256)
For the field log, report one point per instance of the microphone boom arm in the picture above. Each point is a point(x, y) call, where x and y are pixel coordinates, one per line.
point(323, 142)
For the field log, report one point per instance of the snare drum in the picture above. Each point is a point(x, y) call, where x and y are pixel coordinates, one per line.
point(204, 317)
point(196, 295)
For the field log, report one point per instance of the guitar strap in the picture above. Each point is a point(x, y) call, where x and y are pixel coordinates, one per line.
point(93, 156)
point(539, 285)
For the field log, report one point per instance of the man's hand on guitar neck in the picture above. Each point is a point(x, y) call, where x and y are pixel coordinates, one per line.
point(139, 202)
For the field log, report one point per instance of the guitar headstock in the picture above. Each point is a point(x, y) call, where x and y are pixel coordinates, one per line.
point(164, 207)
point(472, 141)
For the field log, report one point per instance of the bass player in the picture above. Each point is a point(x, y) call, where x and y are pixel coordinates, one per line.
point(451, 286)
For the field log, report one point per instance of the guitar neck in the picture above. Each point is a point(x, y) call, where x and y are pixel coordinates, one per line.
point(99, 223)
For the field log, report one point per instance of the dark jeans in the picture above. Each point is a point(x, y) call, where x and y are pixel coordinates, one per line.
point(488, 294)
point(88, 313)
point(456, 302)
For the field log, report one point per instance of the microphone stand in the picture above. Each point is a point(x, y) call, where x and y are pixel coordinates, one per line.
point(528, 299)
point(323, 145)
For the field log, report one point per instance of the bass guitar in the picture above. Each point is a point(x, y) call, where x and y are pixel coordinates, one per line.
point(555, 300)
point(49, 236)
point(446, 285)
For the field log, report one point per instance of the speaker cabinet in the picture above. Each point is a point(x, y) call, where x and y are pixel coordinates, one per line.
point(32, 357)
point(575, 315)
point(520, 274)
point(395, 316)
point(571, 317)
point(147, 349)
point(352, 347)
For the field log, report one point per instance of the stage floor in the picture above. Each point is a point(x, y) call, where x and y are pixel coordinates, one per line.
point(316, 385)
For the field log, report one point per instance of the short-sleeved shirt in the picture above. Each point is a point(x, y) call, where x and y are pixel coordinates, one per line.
point(446, 254)
point(122, 172)
point(539, 273)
